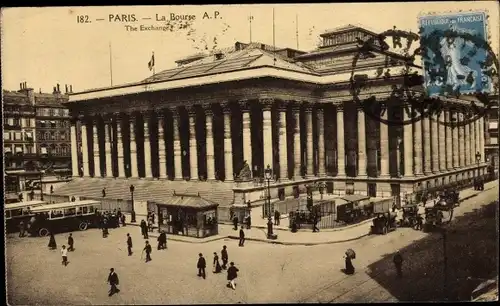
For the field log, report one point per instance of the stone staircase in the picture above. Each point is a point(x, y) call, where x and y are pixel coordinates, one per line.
point(146, 190)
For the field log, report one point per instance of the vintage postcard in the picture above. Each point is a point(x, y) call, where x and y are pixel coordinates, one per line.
point(267, 153)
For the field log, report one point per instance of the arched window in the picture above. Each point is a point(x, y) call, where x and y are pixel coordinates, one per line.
point(58, 150)
point(47, 136)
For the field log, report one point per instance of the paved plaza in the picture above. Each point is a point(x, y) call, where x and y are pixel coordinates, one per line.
point(268, 273)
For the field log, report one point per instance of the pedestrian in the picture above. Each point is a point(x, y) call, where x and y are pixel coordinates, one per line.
point(70, 243)
point(104, 192)
point(144, 229)
point(32, 194)
point(105, 231)
point(21, 229)
point(148, 251)
point(217, 267)
point(242, 237)
point(163, 236)
point(232, 274)
point(249, 221)
point(51, 189)
point(398, 262)
point(64, 253)
point(113, 281)
point(129, 244)
point(119, 213)
point(420, 222)
point(160, 242)
point(20, 197)
point(52, 242)
point(235, 222)
point(315, 223)
point(73, 199)
point(277, 217)
point(202, 264)
point(122, 218)
point(225, 257)
point(153, 217)
point(349, 268)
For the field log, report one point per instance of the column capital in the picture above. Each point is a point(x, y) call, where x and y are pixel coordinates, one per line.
point(207, 108)
point(282, 106)
point(191, 109)
point(296, 106)
point(320, 110)
point(266, 103)
point(339, 107)
point(308, 107)
point(244, 105)
point(175, 112)
point(226, 107)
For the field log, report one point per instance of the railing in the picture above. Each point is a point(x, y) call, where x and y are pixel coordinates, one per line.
point(51, 198)
point(112, 204)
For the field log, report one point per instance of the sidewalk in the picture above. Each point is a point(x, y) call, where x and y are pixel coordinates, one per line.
point(286, 237)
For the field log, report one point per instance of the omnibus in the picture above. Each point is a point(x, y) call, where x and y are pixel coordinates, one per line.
point(66, 216)
point(17, 212)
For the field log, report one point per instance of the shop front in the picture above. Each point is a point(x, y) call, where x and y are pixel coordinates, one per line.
point(187, 215)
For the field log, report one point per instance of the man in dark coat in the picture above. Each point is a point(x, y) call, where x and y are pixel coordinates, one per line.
point(232, 274)
point(104, 192)
point(225, 257)
point(202, 264)
point(113, 281)
point(315, 223)
point(235, 222)
point(122, 219)
point(144, 229)
point(242, 237)
point(129, 244)
point(398, 262)
point(276, 217)
point(148, 251)
point(249, 221)
point(70, 243)
point(21, 229)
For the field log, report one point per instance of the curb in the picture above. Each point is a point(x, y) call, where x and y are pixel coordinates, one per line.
point(299, 243)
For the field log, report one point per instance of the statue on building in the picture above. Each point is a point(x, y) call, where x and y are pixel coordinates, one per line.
point(245, 173)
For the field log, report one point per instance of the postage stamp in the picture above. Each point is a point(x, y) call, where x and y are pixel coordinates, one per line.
point(453, 60)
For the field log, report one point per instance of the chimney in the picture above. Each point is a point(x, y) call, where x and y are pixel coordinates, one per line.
point(55, 90)
point(58, 88)
point(40, 90)
point(71, 88)
point(20, 86)
point(66, 85)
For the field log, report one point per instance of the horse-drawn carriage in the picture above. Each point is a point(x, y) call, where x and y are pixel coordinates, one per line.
point(384, 223)
point(410, 216)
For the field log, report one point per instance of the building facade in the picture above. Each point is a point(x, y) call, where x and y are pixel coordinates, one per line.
point(36, 134)
point(491, 136)
point(294, 111)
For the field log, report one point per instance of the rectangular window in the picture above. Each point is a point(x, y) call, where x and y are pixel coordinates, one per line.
point(494, 140)
point(17, 136)
point(493, 125)
point(6, 136)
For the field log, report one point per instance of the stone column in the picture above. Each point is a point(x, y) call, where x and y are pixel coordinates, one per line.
point(177, 145)
point(455, 153)
point(481, 139)
point(193, 149)
point(467, 145)
point(107, 148)
point(282, 146)
point(417, 144)
point(97, 160)
point(74, 148)
point(442, 142)
point(297, 160)
point(247, 133)
point(321, 141)
point(85, 149)
point(134, 170)
point(361, 143)
point(162, 150)
point(267, 131)
point(427, 145)
point(228, 145)
point(148, 173)
point(408, 145)
point(340, 140)
point(435, 144)
point(210, 142)
point(477, 138)
point(384, 147)
point(473, 150)
point(119, 146)
point(461, 142)
point(309, 141)
point(449, 141)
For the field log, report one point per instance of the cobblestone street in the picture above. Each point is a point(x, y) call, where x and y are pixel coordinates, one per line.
point(268, 273)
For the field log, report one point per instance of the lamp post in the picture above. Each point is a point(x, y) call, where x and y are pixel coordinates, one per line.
point(321, 187)
point(398, 167)
point(132, 188)
point(41, 184)
point(268, 172)
point(478, 160)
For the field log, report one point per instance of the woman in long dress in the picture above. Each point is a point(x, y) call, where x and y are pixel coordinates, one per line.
point(349, 268)
point(217, 267)
point(52, 242)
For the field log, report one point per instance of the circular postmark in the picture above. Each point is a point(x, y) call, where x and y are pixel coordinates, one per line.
point(407, 85)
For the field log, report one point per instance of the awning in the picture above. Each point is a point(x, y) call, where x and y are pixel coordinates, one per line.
point(19, 150)
point(53, 122)
point(42, 121)
point(7, 150)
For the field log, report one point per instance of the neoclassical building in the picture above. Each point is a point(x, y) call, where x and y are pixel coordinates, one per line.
point(192, 128)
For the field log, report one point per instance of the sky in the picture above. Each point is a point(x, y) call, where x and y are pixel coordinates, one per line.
point(45, 46)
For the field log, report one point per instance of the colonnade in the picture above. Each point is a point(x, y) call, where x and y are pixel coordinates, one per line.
point(298, 140)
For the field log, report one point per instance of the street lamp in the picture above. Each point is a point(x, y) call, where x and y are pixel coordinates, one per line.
point(321, 186)
point(268, 172)
point(132, 188)
point(41, 184)
point(398, 173)
point(478, 160)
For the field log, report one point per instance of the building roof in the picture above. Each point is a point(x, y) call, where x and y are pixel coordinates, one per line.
point(41, 99)
point(191, 201)
point(24, 204)
point(345, 28)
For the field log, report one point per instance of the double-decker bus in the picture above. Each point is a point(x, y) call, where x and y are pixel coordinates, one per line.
point(62, 217)
point(17, 212)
